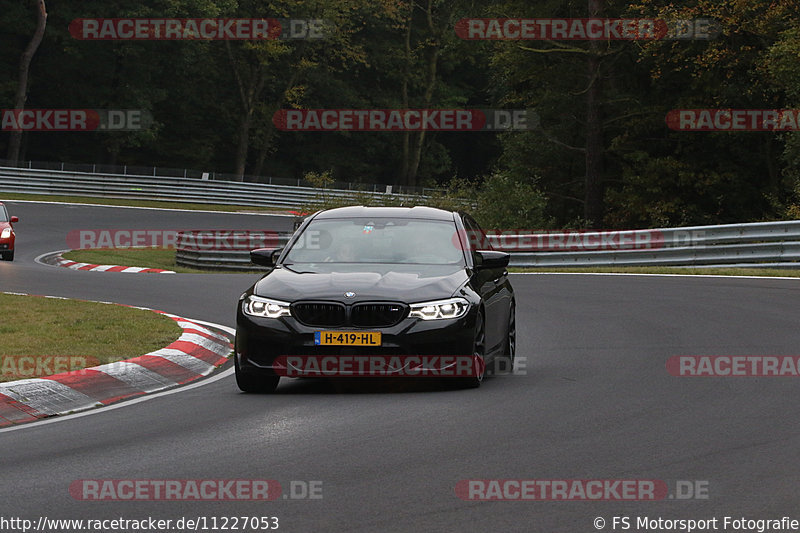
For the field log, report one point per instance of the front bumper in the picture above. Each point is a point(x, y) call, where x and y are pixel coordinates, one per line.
point(260, 341)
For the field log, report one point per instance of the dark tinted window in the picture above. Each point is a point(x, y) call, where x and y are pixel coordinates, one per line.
point(377, 240)
point(475, 235)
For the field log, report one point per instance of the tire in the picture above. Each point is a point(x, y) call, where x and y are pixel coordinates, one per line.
point(478, 353)
point(257, 382)
point(505, 364)
point(8, 256)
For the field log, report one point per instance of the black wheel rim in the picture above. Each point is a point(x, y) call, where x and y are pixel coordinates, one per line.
point(512, 334)
point(479, 348)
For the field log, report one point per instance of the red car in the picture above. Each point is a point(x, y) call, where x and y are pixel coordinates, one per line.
point(7, 237)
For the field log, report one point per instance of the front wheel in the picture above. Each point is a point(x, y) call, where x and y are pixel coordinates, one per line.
point(478, 354)
point(254, 381)
point(8, 256)
point(505, 363)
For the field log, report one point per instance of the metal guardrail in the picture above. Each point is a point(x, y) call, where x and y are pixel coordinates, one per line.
point(757, 245)
point(214, 251)
point(693, 236)
point(750, 255)
point(216, 260)
point(130, 170)
point(173, 189)
point(754, 245)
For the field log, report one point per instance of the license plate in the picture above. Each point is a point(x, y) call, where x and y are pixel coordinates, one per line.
point(347, 338)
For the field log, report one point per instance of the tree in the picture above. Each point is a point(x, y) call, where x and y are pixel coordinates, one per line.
point(676, 178)
point(583, 92)
point(22, 85)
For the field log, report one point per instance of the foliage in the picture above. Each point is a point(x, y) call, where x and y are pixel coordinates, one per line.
point(213, 103)
point(499, 203)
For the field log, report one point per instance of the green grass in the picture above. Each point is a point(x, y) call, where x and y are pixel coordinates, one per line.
point(138, 203)
point(141, 257)
point(765, 272)
point(34, 326)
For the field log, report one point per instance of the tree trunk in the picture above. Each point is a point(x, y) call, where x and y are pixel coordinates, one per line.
point(258, 169)
point(15, 140)
point(269, 132)
point(402, 177)
point(430, 86)
point(419, 143)
point(249, 93)
point(593, 193)
point(243, 144)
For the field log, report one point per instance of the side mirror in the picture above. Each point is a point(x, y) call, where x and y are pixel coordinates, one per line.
point(487, 259)
point(265, 256)
point(14, 219)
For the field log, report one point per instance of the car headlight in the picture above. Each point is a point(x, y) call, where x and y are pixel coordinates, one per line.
point(264, 307)
point(6, 233)
point(440, 309)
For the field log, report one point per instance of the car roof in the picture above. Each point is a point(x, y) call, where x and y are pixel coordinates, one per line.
point(360, 211)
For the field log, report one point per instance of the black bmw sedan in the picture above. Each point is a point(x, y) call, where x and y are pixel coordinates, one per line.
point(405, 289)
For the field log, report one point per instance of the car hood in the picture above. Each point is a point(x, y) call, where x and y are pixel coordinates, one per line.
point(370, 282)
point(4, 225)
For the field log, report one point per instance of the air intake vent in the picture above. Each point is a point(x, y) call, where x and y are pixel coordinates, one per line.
point(319, 314)
point(377, 315)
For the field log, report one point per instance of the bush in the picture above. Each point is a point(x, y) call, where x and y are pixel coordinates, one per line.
point(501, 202)
point(507, 203)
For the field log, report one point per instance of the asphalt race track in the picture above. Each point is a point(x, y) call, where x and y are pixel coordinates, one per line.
point(595, 402)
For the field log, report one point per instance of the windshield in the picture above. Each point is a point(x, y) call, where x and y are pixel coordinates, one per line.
point(3, 213)
point(377, 240)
